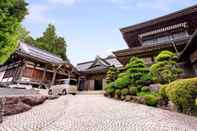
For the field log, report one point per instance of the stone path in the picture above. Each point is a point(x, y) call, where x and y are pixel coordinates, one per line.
point(97, 113)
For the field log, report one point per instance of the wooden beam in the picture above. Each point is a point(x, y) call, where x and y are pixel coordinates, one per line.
point(54, 75)
point(43, 76)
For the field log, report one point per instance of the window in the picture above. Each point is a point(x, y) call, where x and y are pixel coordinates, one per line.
point(163, 39)
point(179, 35)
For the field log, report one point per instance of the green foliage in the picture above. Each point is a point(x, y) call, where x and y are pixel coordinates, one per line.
point(151, 100)
point(162, 92)
point(166, 56)
point(133, 91)
point(12, 13)
point(148, 93)
point(145, 89)
point(124, 92)
point(110, 89)
point(112, 74)
point(134, 75)
point(196, 102)
point(183, 94)
point(138, 72)
point(52, 43)
point(123, 81)
point(165, 70)
point(118, 92)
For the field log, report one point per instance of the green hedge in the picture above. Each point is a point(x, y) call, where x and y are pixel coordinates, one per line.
point(151, 100)
point(145, 89)
point(133, 91)
point(183, 94)
point(124, 92)
point(122, 81)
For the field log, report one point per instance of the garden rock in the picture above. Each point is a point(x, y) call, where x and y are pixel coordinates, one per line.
point(154, 87)
point(137, 99)
point(11, 109)
point(128, 98)
point(33, 100)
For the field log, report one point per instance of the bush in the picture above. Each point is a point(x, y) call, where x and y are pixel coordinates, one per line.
point(110, 89)
point(122, 81)
point(133, 91)
point(112, 74)
point(162, 92)
point(151, 100)
point(124, 92)
point(117, 92)
point(183, 94)
point(145, 89)
point(165, 69)
point(196, 102)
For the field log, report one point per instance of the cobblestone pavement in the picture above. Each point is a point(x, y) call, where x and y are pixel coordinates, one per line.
point(97, 113)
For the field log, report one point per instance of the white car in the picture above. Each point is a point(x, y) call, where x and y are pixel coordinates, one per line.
point(63, 87)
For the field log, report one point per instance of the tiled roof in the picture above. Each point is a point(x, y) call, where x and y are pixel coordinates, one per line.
point(38, 54)
point(86, 66)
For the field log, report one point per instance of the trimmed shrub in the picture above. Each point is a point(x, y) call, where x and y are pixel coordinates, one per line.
point(109, 89)
point(183, 94)
point(133, 91)
point(124, 92)
point(165, 69)
point(112, 74)
point(162, 92)
point(145, 89)
point(151, 100)
point(196, 102)
point(122, 81)
point(117, 92)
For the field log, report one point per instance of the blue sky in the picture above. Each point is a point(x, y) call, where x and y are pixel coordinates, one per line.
point(91, 27)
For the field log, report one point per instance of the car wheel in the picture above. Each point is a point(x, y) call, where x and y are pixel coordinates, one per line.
point(64, 92)
point(73, 94)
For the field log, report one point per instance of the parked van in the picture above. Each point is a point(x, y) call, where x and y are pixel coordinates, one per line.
point(63, 87)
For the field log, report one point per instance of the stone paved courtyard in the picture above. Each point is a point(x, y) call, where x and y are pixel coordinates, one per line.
point(97, 113)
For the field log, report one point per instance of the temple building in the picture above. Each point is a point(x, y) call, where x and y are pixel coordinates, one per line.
point(29, 65)
point(170, 32)
point(93, 73)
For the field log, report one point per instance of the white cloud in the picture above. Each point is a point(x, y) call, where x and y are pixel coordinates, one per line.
point(37, 14)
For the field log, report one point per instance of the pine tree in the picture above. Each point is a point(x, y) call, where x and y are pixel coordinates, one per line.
point(52, 43)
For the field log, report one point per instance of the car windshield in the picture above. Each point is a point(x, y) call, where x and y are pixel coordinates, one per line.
point(73, 82)
point(67, 81)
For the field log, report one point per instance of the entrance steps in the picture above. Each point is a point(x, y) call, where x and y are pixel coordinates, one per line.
point(91, 92)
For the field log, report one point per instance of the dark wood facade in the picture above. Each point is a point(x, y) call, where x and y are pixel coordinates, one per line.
point(35, 67)
point(170, 32)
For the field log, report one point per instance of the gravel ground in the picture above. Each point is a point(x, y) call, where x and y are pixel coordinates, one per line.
point(97, 113)
point(13, 91)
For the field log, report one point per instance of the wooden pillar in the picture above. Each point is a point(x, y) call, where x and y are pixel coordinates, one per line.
point(53, 79)
point(43, 76)
point(54, 75)
point(21, 71)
